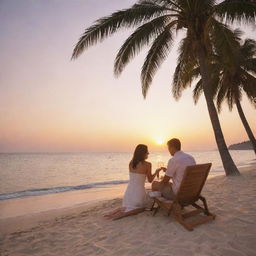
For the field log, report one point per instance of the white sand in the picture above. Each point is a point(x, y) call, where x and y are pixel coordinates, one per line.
point(22, 213)
point(86, 232)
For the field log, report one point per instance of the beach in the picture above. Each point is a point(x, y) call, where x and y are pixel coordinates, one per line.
point(100, 100)
point(82, 229)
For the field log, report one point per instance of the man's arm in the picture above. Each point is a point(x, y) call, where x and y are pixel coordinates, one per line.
point(151, 176)
point(169, 171)
point(166, 179)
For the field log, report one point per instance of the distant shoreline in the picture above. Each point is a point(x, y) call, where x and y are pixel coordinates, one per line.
point(245, 145)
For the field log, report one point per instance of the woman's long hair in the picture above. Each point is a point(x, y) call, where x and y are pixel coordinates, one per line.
point(139, 155)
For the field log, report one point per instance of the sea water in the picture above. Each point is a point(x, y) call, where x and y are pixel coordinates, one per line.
point(32, 174)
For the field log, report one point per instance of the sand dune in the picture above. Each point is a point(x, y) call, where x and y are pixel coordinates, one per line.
point(233, 233)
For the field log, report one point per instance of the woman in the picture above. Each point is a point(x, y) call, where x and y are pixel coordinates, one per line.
point(135, 197)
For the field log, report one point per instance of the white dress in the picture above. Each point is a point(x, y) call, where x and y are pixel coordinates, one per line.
point(135, 195)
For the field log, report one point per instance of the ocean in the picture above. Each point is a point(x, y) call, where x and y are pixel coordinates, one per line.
point(32, 174)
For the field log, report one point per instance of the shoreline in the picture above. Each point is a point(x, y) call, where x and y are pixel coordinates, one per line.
point(21, 213)
point(30, 189)
point(40, 192)
point(18, 214)
point(82, 229)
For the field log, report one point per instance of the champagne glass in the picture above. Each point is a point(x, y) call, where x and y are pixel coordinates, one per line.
point(159, 165)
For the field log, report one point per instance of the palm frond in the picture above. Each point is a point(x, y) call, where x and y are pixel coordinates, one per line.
point(142, 36)
point(248, 56)
point(106, 26)
point(250, 65)
point(198, 90)
point(156, 55)
point(248, 49)
point(231, 99)
point(249, 87)
point(216, 75)
point(187, 68)
point(184, 75)
point(225, 40)
point(253, 101)
point(221, 94)
point(170, 3)
point(236, 10)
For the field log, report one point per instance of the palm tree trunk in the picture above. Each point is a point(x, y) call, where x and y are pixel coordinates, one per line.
point(246, 125)
point(228, 163)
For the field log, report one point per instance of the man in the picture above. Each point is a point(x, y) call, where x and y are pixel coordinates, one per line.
point(175, 170)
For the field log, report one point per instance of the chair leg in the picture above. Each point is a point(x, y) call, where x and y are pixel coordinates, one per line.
point(170, 210)
point(206, 210)
point(153, 204)
point(199, 207)
point(180, 219)
point(156, 210)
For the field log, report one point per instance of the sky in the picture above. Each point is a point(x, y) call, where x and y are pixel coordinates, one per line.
point(49, 103)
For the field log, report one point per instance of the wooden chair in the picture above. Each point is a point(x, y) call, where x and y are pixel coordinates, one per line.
point(188, 194)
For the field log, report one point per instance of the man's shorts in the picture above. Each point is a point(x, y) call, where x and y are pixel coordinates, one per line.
point(166, 191)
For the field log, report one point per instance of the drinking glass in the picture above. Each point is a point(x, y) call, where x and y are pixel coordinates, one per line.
point(159, 165)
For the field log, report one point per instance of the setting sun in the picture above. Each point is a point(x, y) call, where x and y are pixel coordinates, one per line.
point(159, 141)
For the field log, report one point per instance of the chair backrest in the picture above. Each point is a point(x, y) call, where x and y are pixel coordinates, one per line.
point(192, 183)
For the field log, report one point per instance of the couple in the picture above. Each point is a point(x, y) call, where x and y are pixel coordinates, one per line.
point(135, 198)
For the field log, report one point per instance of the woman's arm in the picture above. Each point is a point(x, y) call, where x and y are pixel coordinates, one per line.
point(151, 176)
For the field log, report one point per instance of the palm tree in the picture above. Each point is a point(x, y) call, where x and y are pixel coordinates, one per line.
point(155, 22)
point(232, 76)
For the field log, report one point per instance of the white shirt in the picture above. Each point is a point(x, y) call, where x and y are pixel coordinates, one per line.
point(176, 167)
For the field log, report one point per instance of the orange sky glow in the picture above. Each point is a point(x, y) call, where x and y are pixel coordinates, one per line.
point(49, 103)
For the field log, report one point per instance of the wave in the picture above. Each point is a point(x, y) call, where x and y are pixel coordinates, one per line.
point(52, 190)
point(44, 191)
